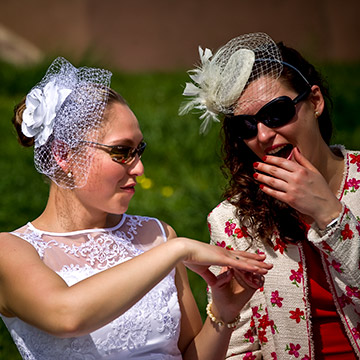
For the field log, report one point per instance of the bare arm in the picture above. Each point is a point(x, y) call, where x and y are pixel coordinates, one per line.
point(37, 295)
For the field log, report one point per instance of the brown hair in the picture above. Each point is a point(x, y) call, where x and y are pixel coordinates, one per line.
point(266, 214)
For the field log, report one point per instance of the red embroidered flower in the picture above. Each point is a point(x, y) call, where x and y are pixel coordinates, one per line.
point(347, 233)
point(229, 228)
point(223, 245)
point(352, 291)
point(209, 227)
point(249, 356)
point(352, 183)
point(262, 336)
point(296, 277)
point(274, 356)
point(280, 245)
point(241, 232)
point(344, 300)
point(249, 336)
point(306, 357)
point(293, 349)
point(356, 331)
point(297, 315)
point(326, 247)
point(255, 312)
point(337, 266)
point(354, 159)
point(276, 299)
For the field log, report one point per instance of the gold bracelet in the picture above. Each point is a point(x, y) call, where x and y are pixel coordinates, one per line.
point(218, 322)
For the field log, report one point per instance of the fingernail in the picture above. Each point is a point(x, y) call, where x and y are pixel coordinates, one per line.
point(262, 186)
point(264, 158)
point(256, 164)
point(255, 175)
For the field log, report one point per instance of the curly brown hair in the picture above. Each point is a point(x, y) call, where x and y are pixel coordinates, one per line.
point(266, 214)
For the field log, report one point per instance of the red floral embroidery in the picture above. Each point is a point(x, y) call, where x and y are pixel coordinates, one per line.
point(241, 232)
point(347, 233)
point(249, 336)
point(229, 228)
point(280, 245)
point(223, 245)
point(344, 300)
point(306, 357)
point(293, 349)
point(209, 227)
point(274, 356)
point(249, 356)
point(355, 159)
point(296, 276)
point(262, 336)
point(352, 185)
point(326, 247)
point(356, 331)
point(255, 311)
point(352, 291)
point(276, 299)
point(337, 266)
point(297, 315)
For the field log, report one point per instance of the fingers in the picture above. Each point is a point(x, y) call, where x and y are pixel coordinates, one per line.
point(254, 281)
point(249, 262)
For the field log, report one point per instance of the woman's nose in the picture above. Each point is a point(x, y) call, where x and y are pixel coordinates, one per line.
point(265, 133)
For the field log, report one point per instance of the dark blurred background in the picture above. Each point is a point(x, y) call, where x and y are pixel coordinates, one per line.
point(145, 35)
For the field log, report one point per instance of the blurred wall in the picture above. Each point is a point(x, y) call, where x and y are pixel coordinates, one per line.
point(165, 34)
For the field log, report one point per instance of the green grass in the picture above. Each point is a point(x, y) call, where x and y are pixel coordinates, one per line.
point(183, 181)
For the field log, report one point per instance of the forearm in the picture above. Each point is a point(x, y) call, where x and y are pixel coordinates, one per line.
point(211, 343)
point(43, 299)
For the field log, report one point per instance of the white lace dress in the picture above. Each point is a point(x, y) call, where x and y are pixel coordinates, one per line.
point(149, 330)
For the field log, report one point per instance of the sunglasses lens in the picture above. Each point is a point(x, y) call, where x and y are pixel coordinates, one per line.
point(277, 113)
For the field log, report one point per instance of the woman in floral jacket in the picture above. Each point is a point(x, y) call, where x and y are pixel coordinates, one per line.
point(290, 195)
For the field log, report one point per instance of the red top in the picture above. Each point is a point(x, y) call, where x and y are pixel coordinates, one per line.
point(330, 338)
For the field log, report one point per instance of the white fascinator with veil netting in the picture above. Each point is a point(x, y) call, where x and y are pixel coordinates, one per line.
point(64, 109)
point(220, 79)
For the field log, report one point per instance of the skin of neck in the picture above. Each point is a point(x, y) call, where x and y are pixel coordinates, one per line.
point(65, 213)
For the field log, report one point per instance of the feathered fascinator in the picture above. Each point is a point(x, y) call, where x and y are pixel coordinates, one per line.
point(220, 79)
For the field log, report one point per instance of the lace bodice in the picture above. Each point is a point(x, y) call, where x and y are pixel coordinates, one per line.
point(148, 330)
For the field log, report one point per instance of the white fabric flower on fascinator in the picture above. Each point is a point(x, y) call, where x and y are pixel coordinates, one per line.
point(221, 78)
point(217, 87)
point(41, 108)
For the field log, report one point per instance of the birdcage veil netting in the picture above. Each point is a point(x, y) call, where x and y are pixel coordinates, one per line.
point(63, 109)
point(219, 81)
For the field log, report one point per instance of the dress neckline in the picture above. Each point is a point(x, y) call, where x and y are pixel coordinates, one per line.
point(78, 232)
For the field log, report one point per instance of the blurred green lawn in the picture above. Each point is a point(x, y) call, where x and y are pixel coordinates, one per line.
point(182, 181)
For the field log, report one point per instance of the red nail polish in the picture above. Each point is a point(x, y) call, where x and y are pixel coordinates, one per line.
point(255, 164)
point(261, 186)
point(264, 158)
point(255, 175)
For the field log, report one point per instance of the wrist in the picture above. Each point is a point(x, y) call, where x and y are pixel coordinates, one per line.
point(220, 322)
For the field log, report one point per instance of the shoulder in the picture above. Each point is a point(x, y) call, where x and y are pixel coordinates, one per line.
point(222, 211)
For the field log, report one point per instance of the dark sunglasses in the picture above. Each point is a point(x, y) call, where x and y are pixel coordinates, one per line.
point(119, 153)
point(275, 113)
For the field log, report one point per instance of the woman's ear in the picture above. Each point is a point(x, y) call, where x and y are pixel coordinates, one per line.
point(61, 151)
point(317, 100)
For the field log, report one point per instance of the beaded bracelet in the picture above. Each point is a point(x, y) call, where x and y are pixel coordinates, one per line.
point(212, 317)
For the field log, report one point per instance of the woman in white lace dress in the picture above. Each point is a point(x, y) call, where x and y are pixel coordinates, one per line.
point(85, 280)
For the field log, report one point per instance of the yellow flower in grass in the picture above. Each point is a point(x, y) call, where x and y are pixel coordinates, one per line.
point(167, 191)
point(145, 182)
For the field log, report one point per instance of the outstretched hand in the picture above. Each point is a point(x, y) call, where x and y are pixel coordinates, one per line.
point(299, 184)
point(201, 256)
